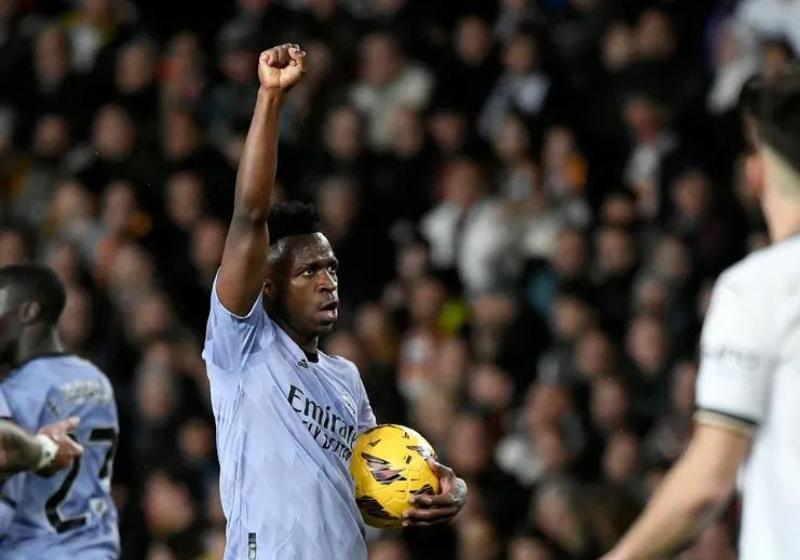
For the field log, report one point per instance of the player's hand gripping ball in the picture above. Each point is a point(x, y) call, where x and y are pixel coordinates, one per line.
point(389, 467)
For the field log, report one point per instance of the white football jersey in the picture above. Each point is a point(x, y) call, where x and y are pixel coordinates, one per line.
point(750, 380)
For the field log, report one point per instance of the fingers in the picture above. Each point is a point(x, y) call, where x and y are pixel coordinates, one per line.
point(70, 424)
point(425, 517)
point(428, 501)
point(284, 55)
point(440, 470)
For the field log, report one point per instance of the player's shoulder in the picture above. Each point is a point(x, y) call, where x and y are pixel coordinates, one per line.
point(769, 267)
point(341, 364)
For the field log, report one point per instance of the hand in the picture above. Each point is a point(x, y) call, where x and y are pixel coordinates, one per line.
point(439, 508)
point(68, 448)
point(280, 68)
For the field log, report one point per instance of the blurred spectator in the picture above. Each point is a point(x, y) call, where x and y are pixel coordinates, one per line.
point(388, 82)
point(522, 86)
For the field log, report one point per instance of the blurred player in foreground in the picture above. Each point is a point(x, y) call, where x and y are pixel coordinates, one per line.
point(748, 391)
point(70, 515)
point(287, 414)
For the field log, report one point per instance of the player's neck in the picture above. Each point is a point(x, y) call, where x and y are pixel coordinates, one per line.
point(38, 344)
point(306, 344)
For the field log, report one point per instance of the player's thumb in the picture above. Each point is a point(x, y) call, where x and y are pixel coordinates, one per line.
point(70, 424)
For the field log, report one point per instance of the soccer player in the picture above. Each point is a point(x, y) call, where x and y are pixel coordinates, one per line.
point(748, 390)
point(70, 515)
point(287, 414)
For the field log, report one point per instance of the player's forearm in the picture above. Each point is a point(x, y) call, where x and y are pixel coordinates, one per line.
point(684, 504)
point(19, 451)
point(259, 158)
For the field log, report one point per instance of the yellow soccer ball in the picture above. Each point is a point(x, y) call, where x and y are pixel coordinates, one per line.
point(389, 467)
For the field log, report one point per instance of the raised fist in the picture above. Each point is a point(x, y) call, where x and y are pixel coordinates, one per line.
point(281, 67)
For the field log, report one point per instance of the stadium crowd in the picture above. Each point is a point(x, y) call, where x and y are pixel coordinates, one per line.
point(530, 200)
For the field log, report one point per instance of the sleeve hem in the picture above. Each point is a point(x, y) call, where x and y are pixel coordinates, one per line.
point(726, 420)
point(253, 309)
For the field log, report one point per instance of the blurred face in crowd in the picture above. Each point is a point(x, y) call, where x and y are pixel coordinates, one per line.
point(433, 412)
point(119, 207)
point(196, 441)
point(75, 323)
point(63, 258)
point(512, 141)
point(619, 210)
point(347, 345)
point(647, 345)
point(72, 203)
point(208, 243)
point(464, 183)
point(13, 249)
point(521, 55)
point(468, 449)
point(545, 406)
point(381, 59)
point(185, 200)
point(452, 365)
point(672, 261)
point(254, 8)
point(413, 261)
point(151, 317)
point(386, 549)
point(571, 255)
point(490, 387)
point(551, 448)
point(168, 506)
point(449, 130)
point(619, 47)
point(528, 548)
point(473, 40)
point(52, 56)
point(493, 312)
point(775, 56)
point(408, 133)
point(654, 35)
point(337, 204)
point(113, 135)
point(556, 517)
point(427, 298)
point(621, 458)
point(373, 329)
point(691, 195)
point(136, 67)
point(182, 135)
point(610, 403)
point(594, 355)
point(344, 133)
point(477, 540)
point(571, 318)
point(644, 117)
point(155, 391)
point(615, 251)
point(651, 296)
point(51, 138)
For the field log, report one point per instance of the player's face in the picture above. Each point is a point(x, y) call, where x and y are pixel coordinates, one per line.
point(10, 325)
point(305, 284)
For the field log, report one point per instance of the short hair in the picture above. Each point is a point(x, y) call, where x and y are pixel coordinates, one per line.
point(774, 106)
point(35, 282)
point(292, 218)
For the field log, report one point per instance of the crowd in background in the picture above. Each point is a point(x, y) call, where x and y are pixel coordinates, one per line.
point(530, 200)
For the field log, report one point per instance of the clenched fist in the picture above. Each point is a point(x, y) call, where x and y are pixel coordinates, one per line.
point(281, 67)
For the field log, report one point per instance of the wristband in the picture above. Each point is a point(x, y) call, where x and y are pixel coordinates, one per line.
point(49, 450)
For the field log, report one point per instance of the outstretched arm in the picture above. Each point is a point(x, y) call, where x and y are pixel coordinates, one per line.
point(45, 453)
point(244, 261)
point(692, 495)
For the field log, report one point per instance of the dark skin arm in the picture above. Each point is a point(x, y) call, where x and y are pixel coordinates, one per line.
point(244, 260)
point(439, 508)
point(20, 451)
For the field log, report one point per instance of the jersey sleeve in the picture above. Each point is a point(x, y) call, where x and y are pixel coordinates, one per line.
point(366, 418)
point(737, 359)
point(5, 410)
point(230, 338)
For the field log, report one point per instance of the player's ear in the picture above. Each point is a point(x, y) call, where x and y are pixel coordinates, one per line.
point(29, 312)
point(754, 171)
point(268, 289)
